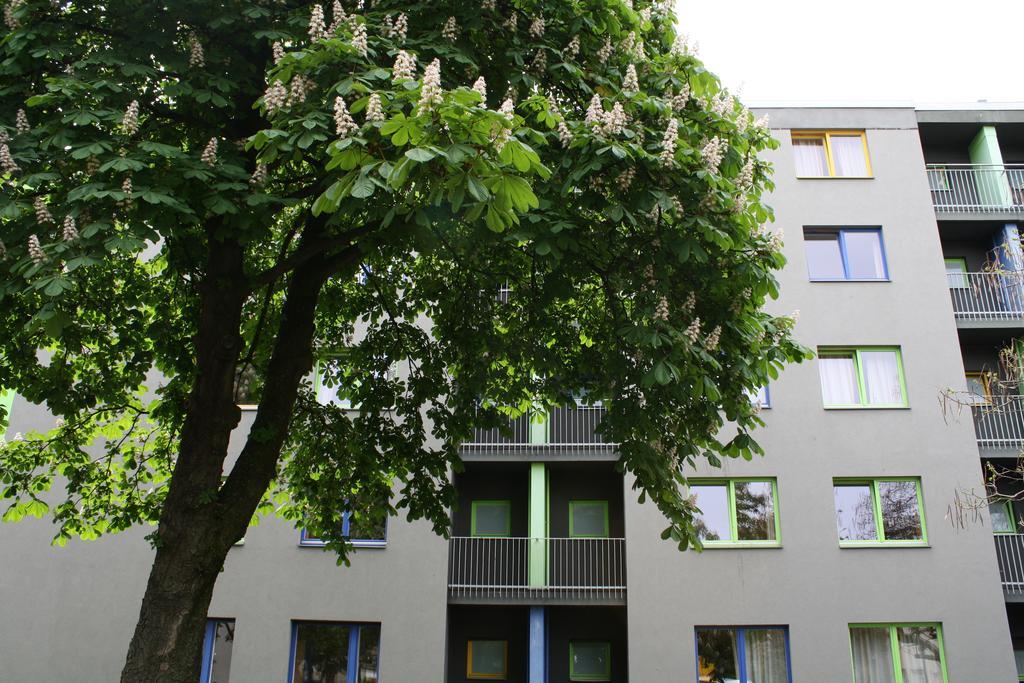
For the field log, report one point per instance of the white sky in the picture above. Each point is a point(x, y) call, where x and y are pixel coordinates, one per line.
point(898, 51)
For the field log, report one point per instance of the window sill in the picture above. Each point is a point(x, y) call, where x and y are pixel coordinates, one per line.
point(248, 408)
point(835, 177)
point(728, 545)
point(850, 279)
point(885, 544)
point(866, 407)
point(355, 544)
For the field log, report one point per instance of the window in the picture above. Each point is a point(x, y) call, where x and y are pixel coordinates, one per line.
point(736, 511)
point(491, 518)
point(1003, 519)
point(1018, 658)
point(758, 654)
point(845, 254)
point(879, 511)
point(329, 652)
point(825, 154)
point(487, 660)
point(588, 519)
point(897, 653)
point(867, 377)
point(590, 661)
point(217, 644)
point(362, 529)
point(762, 397)
point(329, 386)
point(979, 388)
point(956, 273)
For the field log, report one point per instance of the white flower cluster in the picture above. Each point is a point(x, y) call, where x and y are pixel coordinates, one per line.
point(21, 122)
point(595, 112)
point(723, 104)
point(278, 51)
point(489, 5)
point(344, 124)
point(275, 97)
point(711, 343)
point(507, 108)
point(398, 29)
point(693, 331)
point(630, 83)
point(625, 179)
point(4, 137)
point(9, 10)
point(680, 99)
point(450, 32)
point(126, 187)
point(430, 93)
point(615, 120)
point(512, 23)
point(633, 46)
point(537, 27)
point(209, 156)
point(259, 176)
point(669, 142)
point(92, 165)
point(762, 123)
point(480, 86)
point(300, 88)
point(196, 56)
point(539, 63)
point(682, 46)
point(645, 14)
point(338, 17)
point(35, 250)
point(690, 305)
point(405, 66)
point(606, 50)
point(7, 163)
point(70, 231)
point(661, 312)
point(359, 39)
point(130, 121)
point(572, 49)
point(564, 134)
point(745, 179)
point(317, 24)
point(712, 153)
point(43, 214)
point(374, 108)
point(776, 240)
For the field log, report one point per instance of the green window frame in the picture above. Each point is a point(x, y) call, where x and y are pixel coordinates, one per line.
point(575, 675)
point(573, 504)
point(894, 644)
point(878, 515)
point(477, 504)
point(956, 272)
point(734, 540)
point(1007, 506)
point(474, 675)
point(857, 353)
point(6, 400)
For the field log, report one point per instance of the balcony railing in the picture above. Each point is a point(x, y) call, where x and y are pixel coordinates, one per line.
point(1010, 555)
point(549, 569)
point(999, 422)
point(976, 188)
point(987, 296)
point(568, 429)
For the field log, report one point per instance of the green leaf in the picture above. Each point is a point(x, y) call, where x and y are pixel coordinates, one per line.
point(420, 154)
point(363, 187)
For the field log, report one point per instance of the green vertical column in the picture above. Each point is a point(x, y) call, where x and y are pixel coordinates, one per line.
point(6, 401)
point(992, 184)
point(538, 525)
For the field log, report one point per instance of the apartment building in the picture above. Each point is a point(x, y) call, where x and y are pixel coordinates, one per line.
point(847, 553)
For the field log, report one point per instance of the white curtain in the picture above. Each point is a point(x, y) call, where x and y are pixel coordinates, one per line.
point(766, 656)
point(919, 655)
point(809, 155)
point(872, 655)
point(864, 254)
point(881, 377)
point(838, 381)
point(848, 155)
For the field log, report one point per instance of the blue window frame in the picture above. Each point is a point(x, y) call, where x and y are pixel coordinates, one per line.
point(218, 642)
point(845, 254)
point(761, 397)
point(753, 654)
point(359, 535)
point(334, 651)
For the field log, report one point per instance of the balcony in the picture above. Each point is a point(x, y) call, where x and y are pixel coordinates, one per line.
point(587, 571)
point(999, 424)
point(570, 431)
point(977, 189)
point(1010, 555)
point(993, 299)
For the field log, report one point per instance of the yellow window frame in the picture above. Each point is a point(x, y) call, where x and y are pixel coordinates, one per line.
point(475, 675)
point(826, 136)
point(985, 379)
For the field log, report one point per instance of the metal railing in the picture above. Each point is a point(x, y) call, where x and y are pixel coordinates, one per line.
point(999, 422)
point(1010, 555)
point(997, 295)
point(571, 569)
point(976, 187)
point(571, 428)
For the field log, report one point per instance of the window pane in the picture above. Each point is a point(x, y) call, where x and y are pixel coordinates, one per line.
point(321, 653)
point(367, 526)
point(589, 519)
point(488, 658)
point(369, 653)
point(872, 655)
point(881, 377)
point(824, 260)
point(864, 254)
point(848, 155)
point(713, 521)
point(956, 270)
point(919, 654)
point(1000, 516)
point(755, 511)
point(717, 656)
point(809, 155)
point(766, 655)
point(223, 640)
point(590, 661)
point(839, 380)
point(1018, 656)
point(977, 389)
point(855, 512)
point(328, 386)
point(492, 518)
point(901, 520)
